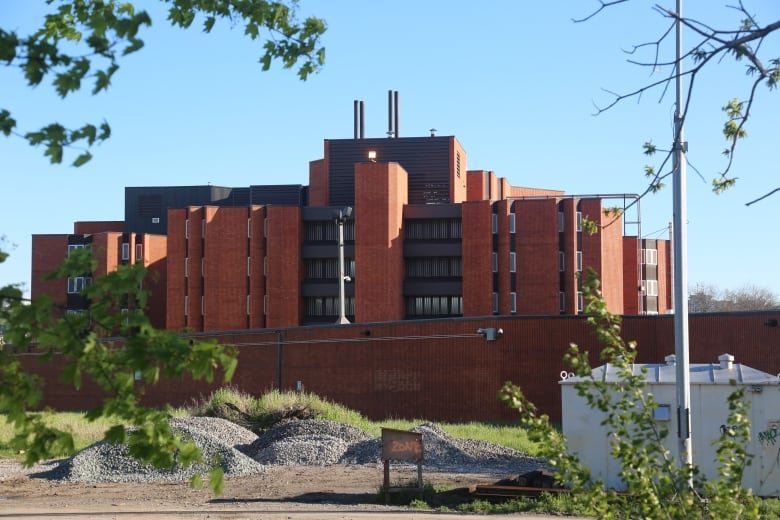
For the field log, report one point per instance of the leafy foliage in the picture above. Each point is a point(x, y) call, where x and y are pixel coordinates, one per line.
point(84, 41)
point(749, 43)
point(119, 351)
point(658, 487)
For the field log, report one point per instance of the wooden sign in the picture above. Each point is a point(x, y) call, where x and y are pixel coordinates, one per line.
point(401, 445)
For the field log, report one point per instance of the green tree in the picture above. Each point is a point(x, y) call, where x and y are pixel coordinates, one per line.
point(708, 298)
point(657, 487)
point(752, 43)
point(83, 41)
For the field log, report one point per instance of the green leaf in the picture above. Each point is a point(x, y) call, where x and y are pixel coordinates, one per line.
point(217, 480)
point(7, 123)
point(82, 159)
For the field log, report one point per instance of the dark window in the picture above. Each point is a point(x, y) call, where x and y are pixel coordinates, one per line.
point(433, 229)
point(434, 306)
point(327, 231)
point(434, 267)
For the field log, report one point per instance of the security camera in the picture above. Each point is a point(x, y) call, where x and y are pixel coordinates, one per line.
point(347, 279)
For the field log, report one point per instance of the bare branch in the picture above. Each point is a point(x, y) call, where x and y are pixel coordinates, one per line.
point(762, 197)
point(603, 6)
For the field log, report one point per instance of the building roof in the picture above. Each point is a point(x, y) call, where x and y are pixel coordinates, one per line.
point(700, 374)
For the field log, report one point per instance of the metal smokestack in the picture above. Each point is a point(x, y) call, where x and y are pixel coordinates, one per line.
point(356, 118)
point(362, 120)
point(390, 112)
point(395, 109)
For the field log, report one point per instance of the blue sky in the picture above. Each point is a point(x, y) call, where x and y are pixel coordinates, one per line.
point(516, 82)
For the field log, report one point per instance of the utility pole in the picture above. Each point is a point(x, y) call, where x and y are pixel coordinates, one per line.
point(681, 348)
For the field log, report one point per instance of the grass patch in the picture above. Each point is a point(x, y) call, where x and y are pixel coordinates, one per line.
point(84, 432)
point(259, 413)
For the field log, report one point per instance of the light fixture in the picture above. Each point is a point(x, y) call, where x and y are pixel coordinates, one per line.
point(372, 155)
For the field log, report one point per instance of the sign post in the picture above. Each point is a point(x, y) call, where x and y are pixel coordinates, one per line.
point(402, 446)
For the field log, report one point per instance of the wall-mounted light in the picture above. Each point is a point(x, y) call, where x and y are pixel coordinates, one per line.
point(490, 333)
point(372, 155)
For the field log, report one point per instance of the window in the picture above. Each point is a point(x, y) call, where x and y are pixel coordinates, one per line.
point(495, 262)
point(512, 222)
point(265, 266)
point(513, 302)
point(650, 287)
point(579, 221)
point(125, 251)
point(561, 222)
point(663, 412)
point(248, 298)
point(265, 304)
point(562, 301)
point(203, 266)
point(494, 223)
point(186, 305)
point(561, 261)
point(512, 262)
point(265, 227)
point(423, 229)
point(249, 228)
point(580, 302)
point(202, 305)
point(186, 267)
point(249, 266)
point(187, 228)
point(203, 228)
point(579, 260)
point(155, 220)
point(77, 284)
point(73, 247)
point(650, 256)
point(430, 267)
point(495, 303)
point(139, 252)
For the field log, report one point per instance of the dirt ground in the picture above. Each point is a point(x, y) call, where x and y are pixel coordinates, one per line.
point(282, 492)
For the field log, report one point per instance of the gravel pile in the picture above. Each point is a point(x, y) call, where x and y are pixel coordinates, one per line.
point(217, 439)
point(304, 442)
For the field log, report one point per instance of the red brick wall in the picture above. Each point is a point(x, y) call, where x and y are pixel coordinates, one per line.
point(48, 253)
point(603, 252)
point(450, 378)
point(476, 248)
point(504, 282)
point(155, 258)
point(285, 268)
point(537, 256)
point(519, 191)
point(664, 277)
point(194, 319)
point(631, 284)
point(107, 250)
point(475, 184)
point(458, 191)
point(570, 248)
point(175, 286)
point(257, 251)
point(318, 183)
point(92, 227)
point(225, 277)
point(381, 191)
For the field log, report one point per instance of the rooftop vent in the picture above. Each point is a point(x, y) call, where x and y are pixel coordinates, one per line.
point(726, 361)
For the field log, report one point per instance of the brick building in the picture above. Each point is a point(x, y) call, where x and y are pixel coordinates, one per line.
point(428, 239)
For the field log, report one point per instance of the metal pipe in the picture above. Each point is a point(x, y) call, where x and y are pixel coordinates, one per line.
point(395, 110)
point(356, 118)
point(362, 120)
point(390, 131)
point(343, 215)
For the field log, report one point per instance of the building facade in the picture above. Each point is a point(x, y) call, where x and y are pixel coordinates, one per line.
point(427, 239)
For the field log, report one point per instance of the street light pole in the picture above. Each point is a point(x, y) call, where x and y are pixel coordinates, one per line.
point(342, 216)
point(680, 246)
